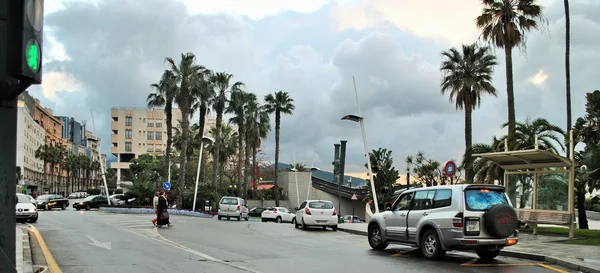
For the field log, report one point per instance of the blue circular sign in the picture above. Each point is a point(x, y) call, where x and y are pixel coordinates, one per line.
point(167, 186)
point(450, 169)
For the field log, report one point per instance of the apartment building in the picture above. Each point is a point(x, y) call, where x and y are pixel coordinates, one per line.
point(30, 136)
point(74, 133)
point(93, 148)
point(138, 131)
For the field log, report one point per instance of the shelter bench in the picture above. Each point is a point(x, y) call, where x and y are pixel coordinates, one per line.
point(535, 217)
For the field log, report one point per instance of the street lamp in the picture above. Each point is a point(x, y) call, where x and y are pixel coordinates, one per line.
point(198, 169)
point(297, 191)
point(359, 119)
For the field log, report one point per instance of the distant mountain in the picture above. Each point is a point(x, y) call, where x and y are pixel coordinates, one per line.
point(327, 176)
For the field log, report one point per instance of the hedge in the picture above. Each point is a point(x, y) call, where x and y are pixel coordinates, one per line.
point(126, 210)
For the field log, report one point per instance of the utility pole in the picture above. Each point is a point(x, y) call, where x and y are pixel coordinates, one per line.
point(336, 171)
point(341, 169)
point(21, 24)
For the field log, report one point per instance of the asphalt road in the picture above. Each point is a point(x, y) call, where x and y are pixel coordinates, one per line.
point(95, 242)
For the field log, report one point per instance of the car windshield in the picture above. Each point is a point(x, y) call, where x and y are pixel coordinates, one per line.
point(320, 205)
point(22, 198)
point(229, 201)
point(43, 197)
point(483, 199)
point(89, 198)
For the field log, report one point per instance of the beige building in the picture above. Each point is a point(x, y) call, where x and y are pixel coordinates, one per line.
point(30, 136)
point(93, 144)
point(138, 131)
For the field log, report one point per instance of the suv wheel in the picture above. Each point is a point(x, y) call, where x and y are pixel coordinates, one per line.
point(431, 245)
point(487, 254)
point(376, 238)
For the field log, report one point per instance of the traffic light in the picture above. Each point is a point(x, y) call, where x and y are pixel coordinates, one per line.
point(24, 47)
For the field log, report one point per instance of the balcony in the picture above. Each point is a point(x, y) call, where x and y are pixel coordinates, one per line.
point(114, 138)
point(114, 125)
point(114, 150)
point(119, 165)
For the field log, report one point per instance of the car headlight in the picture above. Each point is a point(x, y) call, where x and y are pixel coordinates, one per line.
point(80, 203)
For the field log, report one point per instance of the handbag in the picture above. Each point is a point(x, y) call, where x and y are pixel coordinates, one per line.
point(164, 215)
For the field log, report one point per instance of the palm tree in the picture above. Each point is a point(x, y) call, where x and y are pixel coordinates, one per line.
point(228, 146)
point(480, 170)
point(504, 24)
point(71, 165)
point(95, 168)
point(204, 94)
point(259, 126)
point(547, 134)
point(278, 103)
point(44, 153)
point(238, 107)
point(568, 65)
point(166, 91)
point(185, 75)
point(467, 77)
point(221, 82)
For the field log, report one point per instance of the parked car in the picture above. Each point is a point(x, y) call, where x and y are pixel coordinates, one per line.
point(25, 210)
point(233, 207)
point(52, 201)
point(316, 213)
point(77, 195)
point(92, 201)
point(256, 211)
point(352, 219)
point(278, 214)
point(445, 218)
point(118, 199)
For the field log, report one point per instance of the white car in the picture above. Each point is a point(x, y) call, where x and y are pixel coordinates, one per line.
point(277, 214)
point(316, 213)
point(25, 210)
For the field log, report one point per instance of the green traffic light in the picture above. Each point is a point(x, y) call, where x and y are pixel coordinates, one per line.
point(32, 55)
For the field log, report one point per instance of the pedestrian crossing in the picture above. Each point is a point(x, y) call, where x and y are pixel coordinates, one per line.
point(128, 221)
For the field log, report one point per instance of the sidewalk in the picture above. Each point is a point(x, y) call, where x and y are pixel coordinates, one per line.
point(534, 247)
point(23, 250)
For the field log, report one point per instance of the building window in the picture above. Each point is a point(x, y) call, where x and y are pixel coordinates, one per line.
point(150, 148)
point(158, 135)
point(128, 120)
point(159, 124)
point(150, 135)
point(127, 133)
point(150, 124)
point(127, 146)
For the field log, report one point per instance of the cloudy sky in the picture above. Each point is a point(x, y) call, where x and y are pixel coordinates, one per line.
point(104, 53)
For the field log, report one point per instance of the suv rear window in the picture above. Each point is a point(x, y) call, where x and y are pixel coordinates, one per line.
point(483, 199)
point(229, 201)
point(320, 205)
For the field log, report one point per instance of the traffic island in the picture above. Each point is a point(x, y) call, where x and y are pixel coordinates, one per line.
point(123, 210)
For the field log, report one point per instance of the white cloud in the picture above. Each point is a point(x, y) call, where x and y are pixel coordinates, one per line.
point(54, 82)
point(256, 9)
point(538, 78)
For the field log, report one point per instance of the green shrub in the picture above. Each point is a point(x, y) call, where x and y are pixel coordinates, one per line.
point(596, 207)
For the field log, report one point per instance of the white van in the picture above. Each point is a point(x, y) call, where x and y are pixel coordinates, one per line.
point(233, 207)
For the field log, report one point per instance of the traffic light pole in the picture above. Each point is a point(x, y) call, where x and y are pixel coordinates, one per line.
point(8, 183)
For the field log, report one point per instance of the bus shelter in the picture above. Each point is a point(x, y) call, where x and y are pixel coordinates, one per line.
point(540, 185)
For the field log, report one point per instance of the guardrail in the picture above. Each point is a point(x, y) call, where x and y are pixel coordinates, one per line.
point(332, 188)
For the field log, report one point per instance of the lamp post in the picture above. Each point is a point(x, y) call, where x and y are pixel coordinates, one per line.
point(198, 169)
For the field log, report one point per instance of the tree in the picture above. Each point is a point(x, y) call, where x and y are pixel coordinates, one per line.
point(467, 77)
point(166, 91)
point(426, 170)
point(504, 24)
point(222, 83)
point(44, 153)
point(238, 107)
point(480, 170)
point(228, 146)
point(278, 103)
point(204, 95)
point(384, 175)
point(587, 131)
point(259, 126)
point(185, 75)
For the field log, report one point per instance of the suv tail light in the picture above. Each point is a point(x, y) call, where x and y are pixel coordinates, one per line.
point(307, 211)
point(334, 212)
point(238, 207)
point(457, 221)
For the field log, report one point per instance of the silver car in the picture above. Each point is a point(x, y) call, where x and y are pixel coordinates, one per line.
point(233, 207)
point(444, 218)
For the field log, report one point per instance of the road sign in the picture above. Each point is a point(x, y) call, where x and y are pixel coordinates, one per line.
point(167, 186)
point(354, 197)
point(450, 168)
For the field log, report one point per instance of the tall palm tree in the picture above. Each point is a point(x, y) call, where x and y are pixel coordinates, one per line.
point(44, 153)
point(568, 65)
point(259, 126)
point(238, 106)
point(278, 103)
point(481, 170)
point(164, 95)
point(228, 146)
point(185, 75)
point(467, 77)
point(504, 24)
point(204, 94)
point(95, 168)
point(71, 165)
point(547, 134)
point(221, 81)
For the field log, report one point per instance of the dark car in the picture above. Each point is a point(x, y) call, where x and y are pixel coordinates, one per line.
point(92, 201)
point(256, 211)
point(51, 201)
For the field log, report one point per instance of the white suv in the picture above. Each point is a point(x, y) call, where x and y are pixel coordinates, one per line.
point(316, 213)
point(444, 218)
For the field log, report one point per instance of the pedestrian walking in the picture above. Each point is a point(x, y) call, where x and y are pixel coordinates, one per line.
point(155, 205)
point(163, 213)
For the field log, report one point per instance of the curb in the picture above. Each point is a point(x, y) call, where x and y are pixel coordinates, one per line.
point(27, 258)
point(48, 257)
point(516, 254)
point(151, 211)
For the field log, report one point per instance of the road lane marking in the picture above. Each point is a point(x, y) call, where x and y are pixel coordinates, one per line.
point(52, 265)
point(498, 265)
point(397, 254)
point(552, 268)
